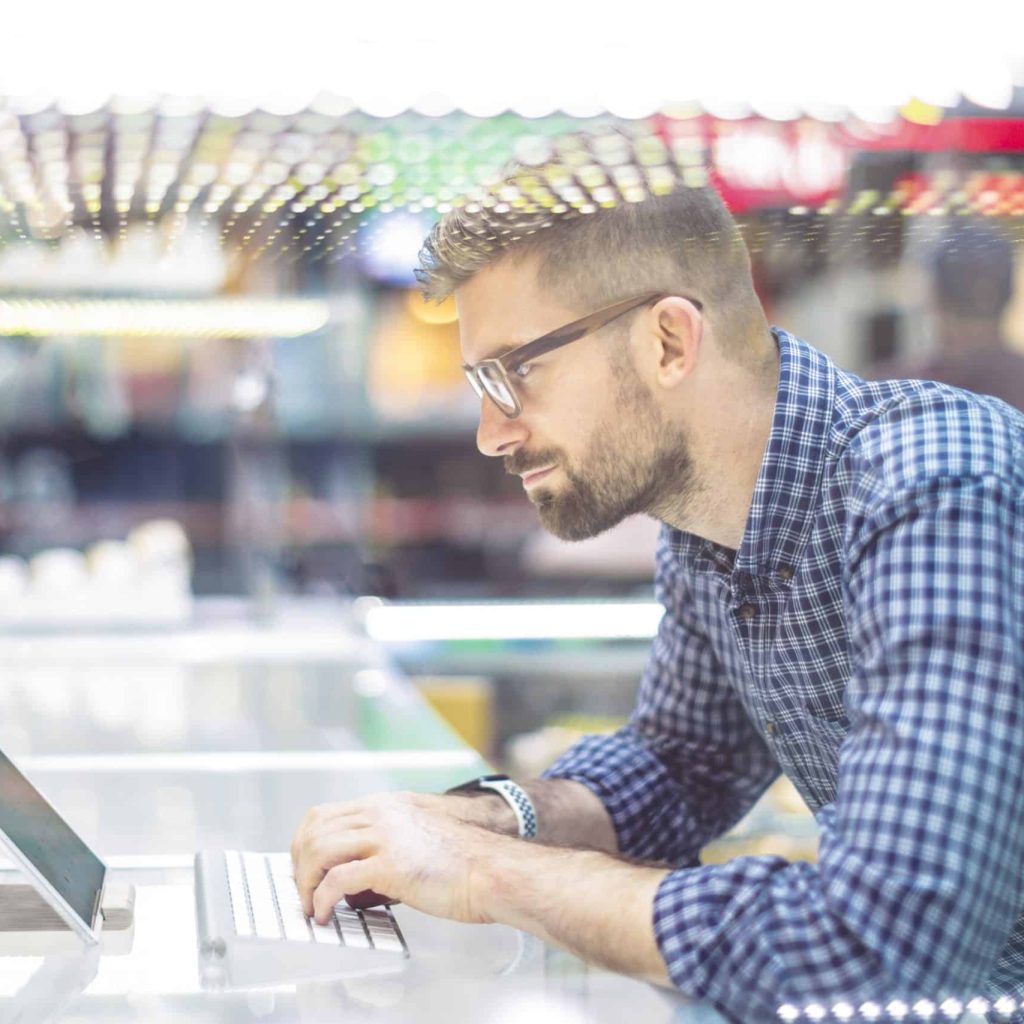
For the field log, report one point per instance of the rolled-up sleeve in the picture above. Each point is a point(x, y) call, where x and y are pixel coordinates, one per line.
point(689, 763)
point(918, 881)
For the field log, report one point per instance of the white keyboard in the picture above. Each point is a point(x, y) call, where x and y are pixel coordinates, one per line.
point(265, 905)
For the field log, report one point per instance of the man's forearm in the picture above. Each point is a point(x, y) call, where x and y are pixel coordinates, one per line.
point(568, 814)
point(595, 905)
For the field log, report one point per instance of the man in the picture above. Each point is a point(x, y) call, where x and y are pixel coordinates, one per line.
point(841, 566)
point(971, 284)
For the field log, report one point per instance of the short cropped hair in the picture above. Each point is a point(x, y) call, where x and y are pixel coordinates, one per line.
point(674, 237)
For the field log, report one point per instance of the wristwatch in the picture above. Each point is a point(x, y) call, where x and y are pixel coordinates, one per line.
point(512, 793)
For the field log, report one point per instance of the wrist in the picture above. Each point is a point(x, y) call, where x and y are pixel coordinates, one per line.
point(594, 904)
point(515, 797)
point(510, 880)
point(487, 810)
point(521, 883)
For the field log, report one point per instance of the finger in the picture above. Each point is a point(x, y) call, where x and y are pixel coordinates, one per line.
point(317, 860)
point(309, 825)
point(300, 833)
point(297, 839)
point(326, 817)
point(354, 876)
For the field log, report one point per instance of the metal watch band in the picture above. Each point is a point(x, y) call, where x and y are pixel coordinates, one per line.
point(515, 796)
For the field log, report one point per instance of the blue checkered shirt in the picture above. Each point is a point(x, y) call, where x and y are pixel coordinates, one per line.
point(865, 640)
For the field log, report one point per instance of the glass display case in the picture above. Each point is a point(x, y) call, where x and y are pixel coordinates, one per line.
point(156, 744)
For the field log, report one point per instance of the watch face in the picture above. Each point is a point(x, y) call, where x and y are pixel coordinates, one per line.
point(477, 785)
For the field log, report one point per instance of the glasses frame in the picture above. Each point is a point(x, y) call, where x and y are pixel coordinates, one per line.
point(504, 365)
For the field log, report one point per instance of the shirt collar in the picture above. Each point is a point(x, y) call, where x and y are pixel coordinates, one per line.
point(786, 491)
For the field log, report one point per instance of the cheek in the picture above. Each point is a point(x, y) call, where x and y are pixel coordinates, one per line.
point(564, 433)
point(578, 397)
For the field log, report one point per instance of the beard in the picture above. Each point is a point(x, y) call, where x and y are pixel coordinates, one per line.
point(634, 464)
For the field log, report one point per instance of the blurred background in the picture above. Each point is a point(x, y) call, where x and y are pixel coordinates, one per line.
point(223, 401)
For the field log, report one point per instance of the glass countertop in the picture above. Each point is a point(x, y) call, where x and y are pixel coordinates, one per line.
point(457, 974)
point(153, 751)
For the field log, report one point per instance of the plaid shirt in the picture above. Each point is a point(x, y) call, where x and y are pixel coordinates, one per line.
point(865, 639)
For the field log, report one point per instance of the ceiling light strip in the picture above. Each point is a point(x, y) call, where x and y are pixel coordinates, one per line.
point(224, 318)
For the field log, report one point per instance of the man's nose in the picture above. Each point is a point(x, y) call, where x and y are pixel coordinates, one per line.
point(497, 434)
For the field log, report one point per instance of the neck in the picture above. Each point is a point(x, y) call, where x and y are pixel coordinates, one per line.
point(728, 440)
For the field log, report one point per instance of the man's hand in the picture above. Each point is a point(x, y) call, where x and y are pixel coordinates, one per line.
point(413, 847)
point(407, 846)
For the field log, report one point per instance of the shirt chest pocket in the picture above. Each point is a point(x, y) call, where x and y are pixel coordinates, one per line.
point(827, 733)
point(827, 711)
point(815, 757)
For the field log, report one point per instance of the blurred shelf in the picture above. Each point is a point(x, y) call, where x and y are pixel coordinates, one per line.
point(440, 427)
point(431, 429)
point(537, 661)
point(221, 630)
point(303, 521)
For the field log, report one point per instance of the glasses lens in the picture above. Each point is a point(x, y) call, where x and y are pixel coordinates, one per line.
point(496, 385)
point(474, 382)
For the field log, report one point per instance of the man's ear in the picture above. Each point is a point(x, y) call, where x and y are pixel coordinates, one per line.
point(678, 329)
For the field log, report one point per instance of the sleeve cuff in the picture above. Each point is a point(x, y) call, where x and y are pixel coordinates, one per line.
point(702, 927)
point(645, 805)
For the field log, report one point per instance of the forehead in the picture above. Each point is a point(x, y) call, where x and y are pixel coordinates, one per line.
point(502, 307)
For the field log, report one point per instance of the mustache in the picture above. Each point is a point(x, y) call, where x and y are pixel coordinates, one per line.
point(520, 463)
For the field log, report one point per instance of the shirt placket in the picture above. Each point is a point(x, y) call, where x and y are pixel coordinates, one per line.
point(755, 606)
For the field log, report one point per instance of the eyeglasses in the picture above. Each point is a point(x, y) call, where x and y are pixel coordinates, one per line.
point(492, 377)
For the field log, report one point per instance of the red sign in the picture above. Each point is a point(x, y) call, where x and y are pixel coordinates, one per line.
point(756, 162)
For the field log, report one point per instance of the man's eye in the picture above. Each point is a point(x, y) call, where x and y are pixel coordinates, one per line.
point(523, 370)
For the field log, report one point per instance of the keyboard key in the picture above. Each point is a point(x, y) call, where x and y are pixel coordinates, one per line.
point(237, 892)
point(382, 930)
point(264, 910)
point(351, 927)
point(280, 863)
point(284, 886)
point(296, 924)
point(388, 941)
point(325, 934)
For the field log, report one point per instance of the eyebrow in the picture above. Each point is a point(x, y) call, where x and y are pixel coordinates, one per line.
point(503, 350)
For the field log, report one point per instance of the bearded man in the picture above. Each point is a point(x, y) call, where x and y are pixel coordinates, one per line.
point(841, 566)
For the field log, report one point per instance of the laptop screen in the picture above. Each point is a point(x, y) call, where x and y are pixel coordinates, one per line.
point(48, 842)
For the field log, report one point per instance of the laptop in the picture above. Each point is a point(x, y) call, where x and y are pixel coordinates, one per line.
point(68, 901)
